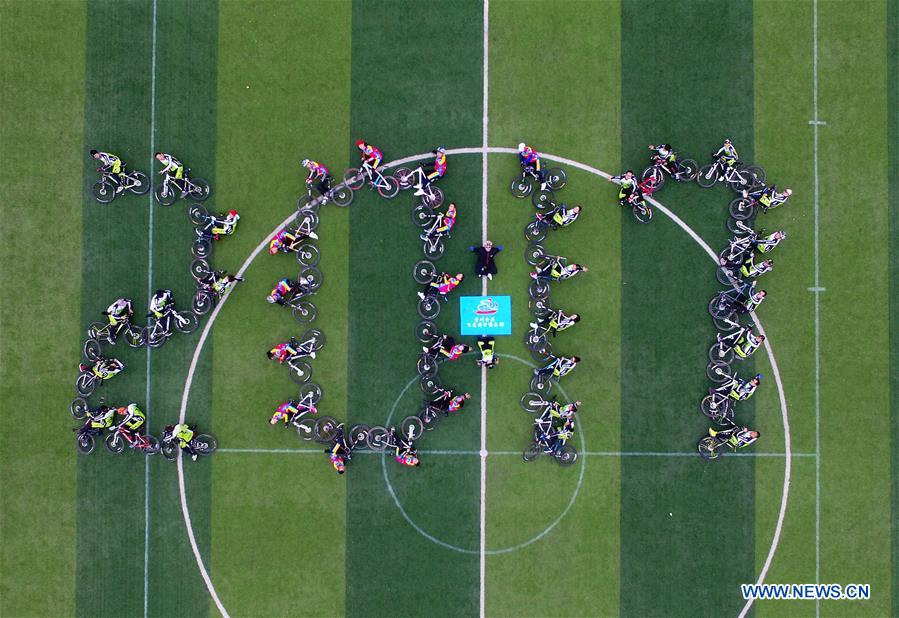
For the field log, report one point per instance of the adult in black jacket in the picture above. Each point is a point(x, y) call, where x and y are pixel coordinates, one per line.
point(486, 265)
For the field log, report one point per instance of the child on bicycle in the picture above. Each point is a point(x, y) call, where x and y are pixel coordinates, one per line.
point(405, 452)
point(216, 227)
point(726, 156)
point(556, 321)
point(171, 164)
point(627, 185)
point(443, 223)
point(559, 216)
point(284, 351)
point(432, 171)
point(371, 157)
point(558, 366)
point(769, 242)
point(318, 173)
point(530, 162)
point(442, 285)
point(104, 368)
point(665, 157)
point(113, 168)
point(768, 197)
point(285, 290)
point(286, 241)
point(133, 420)
point(554, 270)
point(734, 436)
point(119, 315)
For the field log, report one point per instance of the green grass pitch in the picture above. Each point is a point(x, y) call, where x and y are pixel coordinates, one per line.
point(242, 91)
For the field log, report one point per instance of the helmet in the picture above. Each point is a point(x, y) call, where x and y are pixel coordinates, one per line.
point(232, 213)
point(271, 299)
point(441, 149)
point(522, 146)
point(727, 140)
point(360, 144)
point(94, 152)
point(758, 377)
point(304, 162)
point(788, 191)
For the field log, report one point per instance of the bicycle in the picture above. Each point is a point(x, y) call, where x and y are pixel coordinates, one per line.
point(387, 186)
point(160, 329)
point(206, 297)
point(379, 437)
point(104, 330)
point(723, 350)
point(736, 177)
point(709, 447)
point(310, 394)
point(120, 436)
point(686, 171)
point(85, 438)
point(433, 244)
point(433, 195)
point(717, 407)
point(88, 378)
point(341, 196)
point(199, 216)
point(424, 272)
point(311, 342)
point(534, 404)
point(536, 230)
point(553, 180)
point(202, 444)
point(106, 189)
point(167, 193)
point(565, 455)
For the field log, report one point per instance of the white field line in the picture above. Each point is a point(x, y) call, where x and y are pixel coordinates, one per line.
point(480, 151)
point(817, 288)
point(149, 294)
point(483, 506)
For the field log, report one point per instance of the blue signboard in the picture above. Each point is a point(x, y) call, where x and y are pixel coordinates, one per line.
point(485, 315)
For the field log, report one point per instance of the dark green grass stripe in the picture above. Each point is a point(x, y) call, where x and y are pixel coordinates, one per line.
point(706, 94)
point(892, 24)
point(114, 258)
point(410, 94)
point(186, 113)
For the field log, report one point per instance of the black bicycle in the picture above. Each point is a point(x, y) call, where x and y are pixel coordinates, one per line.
point(553, 180)
point(108, 188)
point(173, 188)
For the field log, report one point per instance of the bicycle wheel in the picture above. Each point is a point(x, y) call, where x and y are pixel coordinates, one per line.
point(200, 189)
point(169, 450)
point(733, 226)
point(197, 214)
point(308, 255)
point(92, 350)
point(115, 443)
point(325, 430)
point(556, 178)
point(430, 418)
point(708, 448)
point(103, 191)
point(727, 275)
point(315, 337)
point(403, 176)
point(359, 436)
point(342, 197)
point(720, 305)
point(412, 428)
point(434, 197)
point(658, 178)
point(305, 428)
point(532, 403)
point(313, 276)
point(720, 413)
point(534, 253)
point(152, 446)
point(306, 221)
point(521, 187)
point(707, 176)
point(153, 336)
point(538, 289)
point(199, 269)
point(757, 173)
point(426, 366)
point(86, 384)
point(541, 352)
point(542, 385)
point(424, 272)
point(304, 312)
point(311, 390)
point(79, 408)
point(95, 329)
point(717, 352)
point(426, 332)
point(205, 444)
point(308, 202)
point(718, 371)
point(430, 386)
point(389, 188)
point(354, 178)
point(741, 208)
point(567, 455)
point(539, 308)
point(434, 249)
point(202, 302)
point(535, 231)
point(201, 248)
point(726, 324)
point(377, 438)
point(532, 451)
point(188, 322)
point(422, 215)
point(642, 214)
point(300, 372)
point(688, 170)
point(541, 198)
point(165, 195)
point(85, 443)
point(140, 184)
point(533, 339)
point(429, 307)
point(133, 336)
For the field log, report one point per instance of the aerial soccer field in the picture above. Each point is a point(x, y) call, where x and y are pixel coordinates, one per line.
point(639, 525)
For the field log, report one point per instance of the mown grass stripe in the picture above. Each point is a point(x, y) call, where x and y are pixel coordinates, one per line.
point(666, 329)
point(424, 103)
point(892, 25)
point(42, 47)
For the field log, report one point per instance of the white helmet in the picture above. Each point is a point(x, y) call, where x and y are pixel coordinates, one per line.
point(305, 162)
point(788, 191)
point(270, 299)
point(521, 147)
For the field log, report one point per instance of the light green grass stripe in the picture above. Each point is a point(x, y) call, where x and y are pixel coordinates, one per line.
point(855, 480)
point(42, 98)
point(783, 146)
point(267, 124)
point(578, 121)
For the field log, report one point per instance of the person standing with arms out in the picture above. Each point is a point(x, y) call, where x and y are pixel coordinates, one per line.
point(486, 266)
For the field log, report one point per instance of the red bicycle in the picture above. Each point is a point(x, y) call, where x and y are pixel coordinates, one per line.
point(122, 436)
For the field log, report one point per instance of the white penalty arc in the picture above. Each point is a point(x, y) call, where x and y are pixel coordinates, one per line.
point(483, 151)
